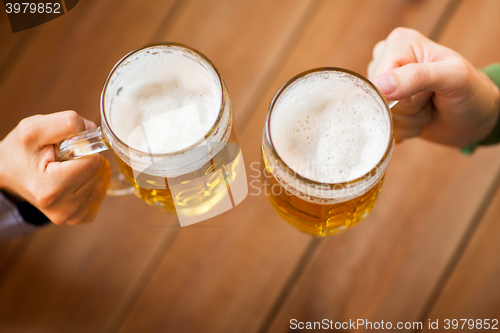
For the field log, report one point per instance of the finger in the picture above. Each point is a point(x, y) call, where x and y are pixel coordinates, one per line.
point(420, 119)
point(68, 176)
point(55, 127)
point(378, 52)
point(94, 192)
point(403, 46)
point(378, 49)
point(102, 173)
point(444, 77)
point(81, 215)
point(413, 105)
point(401, 134)
point(371, 70)
point(89, 124)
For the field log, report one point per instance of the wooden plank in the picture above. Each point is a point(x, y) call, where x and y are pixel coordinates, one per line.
point(226, 278)
point(85, 270)
point(245, 45)
point(13, 46)
point(30, 65)
point(472, 290)
point(473, 39)
point(9, 253)
point(387, 267)
point(66, 64)
point(101, 265)
point(9, 41)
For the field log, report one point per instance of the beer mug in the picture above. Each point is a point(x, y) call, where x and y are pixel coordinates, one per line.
point(166, 115)
point(326, 144)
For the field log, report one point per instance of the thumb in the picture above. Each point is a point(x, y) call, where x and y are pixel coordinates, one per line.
point(408, 80)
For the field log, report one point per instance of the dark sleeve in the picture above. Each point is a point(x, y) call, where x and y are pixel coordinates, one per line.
point(18, 218)
point(493, 71)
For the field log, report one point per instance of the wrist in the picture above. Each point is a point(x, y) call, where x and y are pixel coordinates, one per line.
point(3, 175)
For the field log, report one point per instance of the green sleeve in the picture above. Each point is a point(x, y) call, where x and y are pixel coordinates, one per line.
point(493, 71)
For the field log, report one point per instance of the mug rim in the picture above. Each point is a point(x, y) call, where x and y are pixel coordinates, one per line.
point(267, 128)
point(224, 98)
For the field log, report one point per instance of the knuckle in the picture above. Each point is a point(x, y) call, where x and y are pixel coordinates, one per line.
point(418, 74)
point(95, 162)
point(73, 121)
point(378, 48)
point(28, 128)
point(58, 216)
point(403, 35)
point(62, 217)
point(401, 32)
point(44, 198)
point(396, 33)
point(462, 68)
point(57, 220)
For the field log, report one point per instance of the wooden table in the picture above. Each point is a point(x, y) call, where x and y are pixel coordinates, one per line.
point(430, 250)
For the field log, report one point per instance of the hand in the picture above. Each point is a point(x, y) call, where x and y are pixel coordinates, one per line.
point(442, 97)
point(66, 192)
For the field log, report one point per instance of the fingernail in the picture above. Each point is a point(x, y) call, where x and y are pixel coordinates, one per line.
point(386, 83)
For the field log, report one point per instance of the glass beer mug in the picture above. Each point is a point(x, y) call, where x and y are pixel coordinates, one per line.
point(326, 144)
point(166, 115)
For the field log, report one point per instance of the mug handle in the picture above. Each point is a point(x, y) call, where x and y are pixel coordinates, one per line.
point(91, 142)
point(80, 145)
point(391, 104)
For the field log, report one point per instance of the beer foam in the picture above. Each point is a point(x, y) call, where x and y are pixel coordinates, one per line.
point(330, 127)
point(163, 100)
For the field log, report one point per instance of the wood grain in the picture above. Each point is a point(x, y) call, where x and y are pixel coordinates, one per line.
point(13, 48)
point(34, 65)
point(134, 269)
point(470, 289)
point(91, 273)
point(227, 278)
point(387, 268)
point(85, 271)
point(472, 292)
point(246, 40)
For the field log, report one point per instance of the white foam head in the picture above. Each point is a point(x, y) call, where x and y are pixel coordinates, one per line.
point(330, 127)
point(163, 99)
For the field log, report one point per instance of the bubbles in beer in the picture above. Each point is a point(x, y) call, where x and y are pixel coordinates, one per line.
point(163, 100)
point(330, 127)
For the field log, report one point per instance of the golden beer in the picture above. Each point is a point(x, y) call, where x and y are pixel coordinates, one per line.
point(199, 190)
point(170, 108)
point(326, 145)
